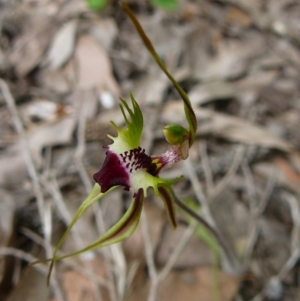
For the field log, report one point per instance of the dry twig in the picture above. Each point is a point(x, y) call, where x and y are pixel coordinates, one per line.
point(33, 174)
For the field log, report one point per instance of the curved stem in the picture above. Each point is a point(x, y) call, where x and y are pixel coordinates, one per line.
point(230, 257)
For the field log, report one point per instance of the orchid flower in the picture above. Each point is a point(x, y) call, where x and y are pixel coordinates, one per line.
point(126, 164)
point(129, 166)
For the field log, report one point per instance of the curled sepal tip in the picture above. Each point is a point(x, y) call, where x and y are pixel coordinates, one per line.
point(95, 195)
point(117, 233)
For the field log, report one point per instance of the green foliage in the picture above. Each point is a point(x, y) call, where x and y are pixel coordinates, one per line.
point(96, 4)
point(165, 4)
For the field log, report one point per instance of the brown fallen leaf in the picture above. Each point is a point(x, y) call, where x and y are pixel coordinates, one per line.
point(287, 169)
point(104, 31)
point(7, 212)
point(151, 89)
point(94, 67)
point(62, 45)
point(78, 287)
point(195, 284)
point(29, 47)
point(211, 91)
point(271, 170)
point(294, 158)
point(238, 17)
point(232, 218)
point(12, 164)
point(32, 286)
point(188, 258)
point(7, 235)
point(231, 59)
point(42, 110)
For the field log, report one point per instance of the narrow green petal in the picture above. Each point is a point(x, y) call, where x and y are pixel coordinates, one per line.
point(120, 231)
point(189, 112)
point(130, 137)
point(167, 195)
point(94, 196)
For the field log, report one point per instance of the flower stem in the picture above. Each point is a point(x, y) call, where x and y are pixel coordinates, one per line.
point(226, 251)
point(188, 109)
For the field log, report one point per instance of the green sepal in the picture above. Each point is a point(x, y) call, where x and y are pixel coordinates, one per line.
point(167, 195)
point(189, 112)
point(95, 195)
point(120, 231)
point(130, 137)
point(117, 233)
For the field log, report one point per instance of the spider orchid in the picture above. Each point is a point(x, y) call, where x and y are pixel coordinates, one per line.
point(128, 165)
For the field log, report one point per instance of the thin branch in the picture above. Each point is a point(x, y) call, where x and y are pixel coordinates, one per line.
point(295, 236)
point(295, 249)
point(178, 250)
point(69, 262)
point(241, 150)
point(115, 251)
point(7, 251)
point(149, 258)
point(256, 210)
point(33, 174)
point(221, 242)
point(206, 167)
point(198, 191)
point(229, 261)
point(80, 149)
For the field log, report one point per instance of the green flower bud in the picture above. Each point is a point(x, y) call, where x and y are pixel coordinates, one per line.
point(175, 134)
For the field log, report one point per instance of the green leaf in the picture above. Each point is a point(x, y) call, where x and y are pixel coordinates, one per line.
point(96, 4)
point(166, 4)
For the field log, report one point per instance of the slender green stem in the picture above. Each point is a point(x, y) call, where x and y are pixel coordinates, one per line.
point(189, 112)
point(221, 242)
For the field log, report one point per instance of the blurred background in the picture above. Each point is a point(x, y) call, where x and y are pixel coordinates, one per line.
point(63, 67)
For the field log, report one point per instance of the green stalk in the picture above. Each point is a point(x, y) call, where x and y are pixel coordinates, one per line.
point(189, 112)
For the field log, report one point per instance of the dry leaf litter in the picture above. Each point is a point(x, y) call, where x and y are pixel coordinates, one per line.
point(62, 69)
